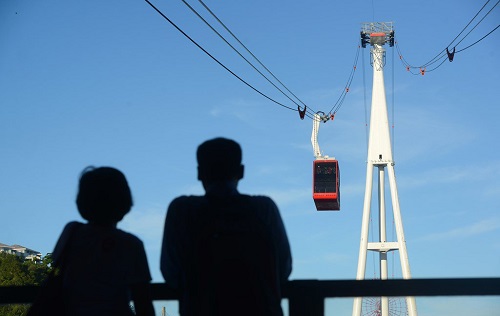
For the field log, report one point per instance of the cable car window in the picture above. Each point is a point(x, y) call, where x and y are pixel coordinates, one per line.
point(325, 177)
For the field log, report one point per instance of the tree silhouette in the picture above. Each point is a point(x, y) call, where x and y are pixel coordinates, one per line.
point(15, 270)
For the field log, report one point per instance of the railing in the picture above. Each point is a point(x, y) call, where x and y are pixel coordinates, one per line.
point(376, 27)
point(306, 297)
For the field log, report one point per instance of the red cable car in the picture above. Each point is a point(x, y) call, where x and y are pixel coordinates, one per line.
point(326, 184)
point(326, 173)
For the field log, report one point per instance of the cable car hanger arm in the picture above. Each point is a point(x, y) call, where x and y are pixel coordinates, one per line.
point(317, 118)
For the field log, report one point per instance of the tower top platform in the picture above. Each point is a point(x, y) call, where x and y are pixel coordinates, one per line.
point(377, 27)
point(377, 33)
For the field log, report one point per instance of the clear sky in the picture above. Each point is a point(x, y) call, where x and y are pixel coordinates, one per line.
point(112, 83)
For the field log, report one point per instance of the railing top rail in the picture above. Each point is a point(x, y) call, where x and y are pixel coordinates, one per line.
point(324, 289)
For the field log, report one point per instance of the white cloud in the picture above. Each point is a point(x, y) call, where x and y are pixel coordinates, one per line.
point(246, 111)
point(306, 266)
point(353, 190)
point(268, 170)
point(304, 146)
point(421, 133)
point(450, 174)
point(215, 112)
point(478, 228)
point(146, 224)
point(336, 257)
point(193, 189)
point(493, 191)
point(239, 108)
point(289, 196)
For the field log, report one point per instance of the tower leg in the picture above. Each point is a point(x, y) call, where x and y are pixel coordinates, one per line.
point(403, 254)
point(384, 300)
point(363, 246)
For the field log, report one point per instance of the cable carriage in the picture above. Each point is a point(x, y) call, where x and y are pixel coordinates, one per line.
point(326, 174)
point(326, 184)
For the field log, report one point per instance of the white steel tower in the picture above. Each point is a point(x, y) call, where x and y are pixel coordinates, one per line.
point(377, 34)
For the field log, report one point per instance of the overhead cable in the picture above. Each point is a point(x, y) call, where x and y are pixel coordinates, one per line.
point(475, 16)
point(248, 50)
point(442, 53)
point(479, 23)
point(479, 39)
point(216, 60)
point(244, 58)
point(306, 111)
point(342, 96)
point(445, 54)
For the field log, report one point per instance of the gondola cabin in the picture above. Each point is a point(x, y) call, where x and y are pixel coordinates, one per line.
point(326, 184)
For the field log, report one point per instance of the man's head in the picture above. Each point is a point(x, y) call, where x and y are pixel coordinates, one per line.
point(219, 159)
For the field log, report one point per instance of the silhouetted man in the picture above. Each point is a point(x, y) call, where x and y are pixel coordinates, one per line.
point(226, 252)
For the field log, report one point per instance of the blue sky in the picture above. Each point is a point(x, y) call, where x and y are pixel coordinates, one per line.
point(112, 83)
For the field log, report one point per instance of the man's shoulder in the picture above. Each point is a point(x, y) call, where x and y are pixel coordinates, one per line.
point(187, 200)
point(194, 203)
point(260, 200)
point(182, 205)
point(263, 206)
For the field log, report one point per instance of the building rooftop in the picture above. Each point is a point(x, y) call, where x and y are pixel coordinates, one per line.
point(21, 251)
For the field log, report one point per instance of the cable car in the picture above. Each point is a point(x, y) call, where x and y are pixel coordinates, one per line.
point(326, 184)
point(326, 173)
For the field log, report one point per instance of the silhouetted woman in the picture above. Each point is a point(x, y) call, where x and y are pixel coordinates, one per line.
point(104, 267)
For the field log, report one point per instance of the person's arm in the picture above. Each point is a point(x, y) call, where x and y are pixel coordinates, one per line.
point(63, 240)
point(141, 295)
point(140, 278)
point(283, 247)
point(169, 259)
point(271, 216)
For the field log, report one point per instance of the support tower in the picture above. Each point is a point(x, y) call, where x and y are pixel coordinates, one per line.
point(377, 34)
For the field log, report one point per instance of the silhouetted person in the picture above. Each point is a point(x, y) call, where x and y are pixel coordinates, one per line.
point(226, 252)
point(104, 267)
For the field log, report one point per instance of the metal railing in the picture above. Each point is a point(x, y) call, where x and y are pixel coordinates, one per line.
point(377, 27)
point(306, 297)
